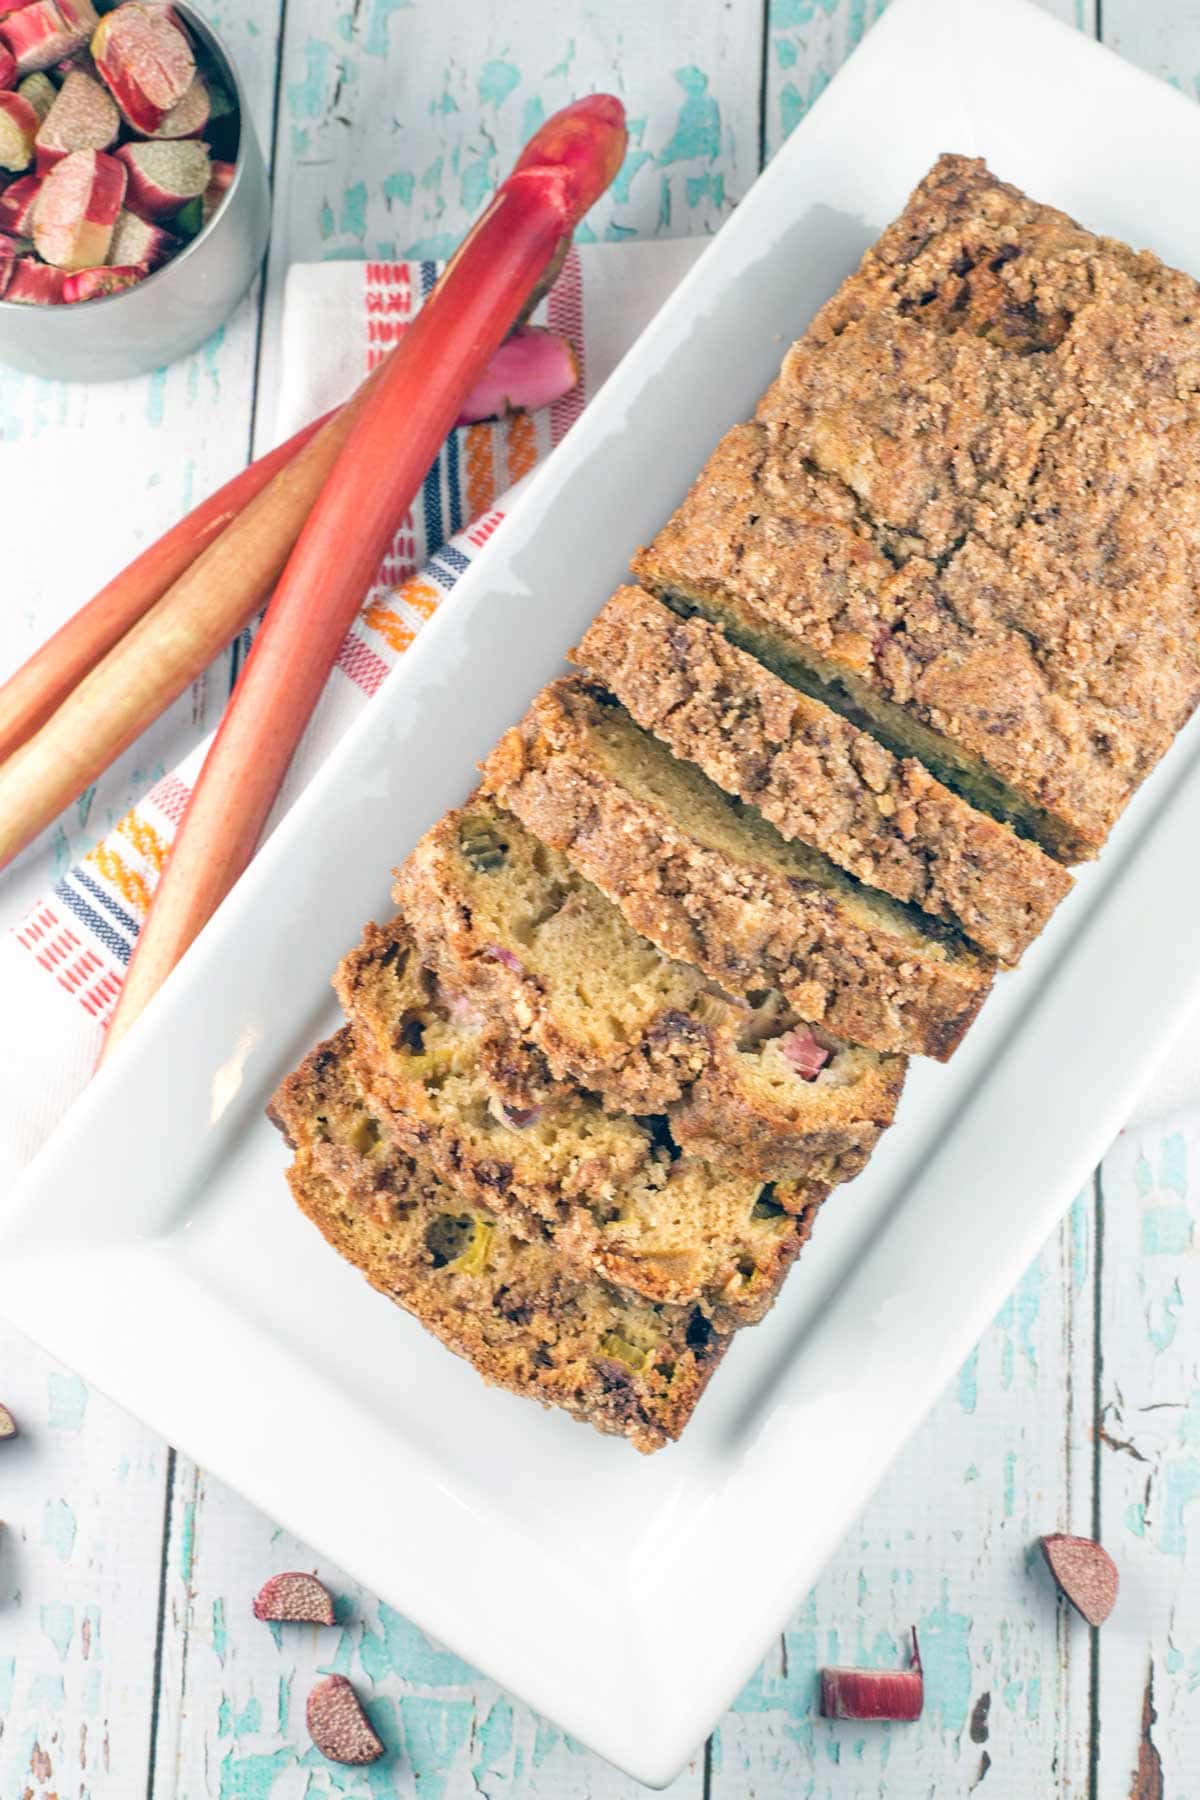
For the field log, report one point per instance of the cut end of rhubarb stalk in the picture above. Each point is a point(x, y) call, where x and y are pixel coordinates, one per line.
point(41, 35)
point(34, 284)
point(146, 62)
point(583, 145)
point(164, 176)
point(8, 1425)
point(40, 92)
point(99, 284)
point(1084, 1572)
point(191, 116)
point(294, 1597)
point(137, 244)
point(531, 369)
point(77, 210)
point(18, 131)
point(16, 206)
point(880, 1694)
point(83, 117)
point(805, 1054)
point(337, 1724)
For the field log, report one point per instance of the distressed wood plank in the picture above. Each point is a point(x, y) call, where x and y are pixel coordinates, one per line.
point(397, 121)
point(231, 1720)
point(1149, 1652)
point(809, 40)
point(945, 1546)
point(125, 459)
point(82, 1491)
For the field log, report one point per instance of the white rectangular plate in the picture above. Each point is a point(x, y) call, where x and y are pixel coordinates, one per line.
point(154, 1247)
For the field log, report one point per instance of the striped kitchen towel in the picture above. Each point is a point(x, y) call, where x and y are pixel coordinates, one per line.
point(62, 962)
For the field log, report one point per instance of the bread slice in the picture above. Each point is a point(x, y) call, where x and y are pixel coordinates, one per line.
point(818, 778)
point(711, 883)
point(966, 512)
point(506, 1303)
point(512, 925)
point(616, 1200)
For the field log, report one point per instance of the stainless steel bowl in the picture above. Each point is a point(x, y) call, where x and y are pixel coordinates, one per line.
point(177, 307)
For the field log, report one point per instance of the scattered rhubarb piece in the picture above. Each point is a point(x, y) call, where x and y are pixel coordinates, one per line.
point(18, 131)
point(8, 67)
point(219, 181)
point(84, 116)
point(190, 117)
point(294, 1597)
point(43, 34)
point(164, 176)
point(16, 205)
point(897, 1694)
point(532, 368)
point(98, 284)
point(40, 92)
point(1083, 1571)
point(805, 1054)
point(392, 441)
point(33, 284)
point(146, 61)
point(136, 243)
point(337, 1724)
point(8, 1425)
point(77, 210)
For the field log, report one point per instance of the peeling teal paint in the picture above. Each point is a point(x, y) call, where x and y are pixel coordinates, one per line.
point(785, 52)
point(1189, 1424)
point(1166, 1231)
point(1181, 1486)
point(967, 1387)
point(325, 222)
point(379, 25)
point(494, 1739)
point(1135, 1518)
point(705, 187)
point(156, 396)
point(1162, 1336)
point(47, 1693)
point(225, 1717)
point(438, 247)
point(1143, 1178)
point(793, 104)
point(403, 1650)
point(476, 183)
point(253, 1777)
point(354, 210)
point(698, 126)
point(434, 1732)
point(946, 1660)
point(187, 1542)
point(57, 1620)
point(785, 15)
point(533, 115)
point(306, 98)
point(634, 160)
point(58, 1529)
point(497, 79)
point(562, 68)
point(1010, 1483)
point(220, 1637)
point(1028, 1307)
point(399, 186)
point(1079, 1225)
point(1172, 1167)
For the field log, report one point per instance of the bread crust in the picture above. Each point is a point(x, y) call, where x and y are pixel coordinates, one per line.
point(770, 916)
point(971, 504)
point(818, 778)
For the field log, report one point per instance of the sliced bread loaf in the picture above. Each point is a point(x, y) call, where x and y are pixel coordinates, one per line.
point(712, 883)
point(505, 1302)
point(612, 1191)
point(818, 778)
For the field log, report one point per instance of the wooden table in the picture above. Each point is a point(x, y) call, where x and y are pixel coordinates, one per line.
point(129, 1663)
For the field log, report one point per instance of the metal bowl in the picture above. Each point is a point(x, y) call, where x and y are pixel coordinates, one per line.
point(177, 306)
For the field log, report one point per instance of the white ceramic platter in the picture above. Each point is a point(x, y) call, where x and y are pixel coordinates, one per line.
point(153, 1245)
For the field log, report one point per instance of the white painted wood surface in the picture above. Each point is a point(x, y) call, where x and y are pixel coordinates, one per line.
point(129, 1662)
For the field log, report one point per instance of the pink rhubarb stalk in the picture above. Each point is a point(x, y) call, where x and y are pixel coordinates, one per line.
point(32, 695)
point(43, 34)
point(145, 60)
point(77, 209)
point(393, 438)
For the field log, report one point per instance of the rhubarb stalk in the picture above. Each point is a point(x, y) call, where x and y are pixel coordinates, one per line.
point(392, 439)
point(531, 369)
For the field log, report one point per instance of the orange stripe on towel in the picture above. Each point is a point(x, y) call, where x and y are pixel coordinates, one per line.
point(118, 874)
point(144, 839)
point(481, 480)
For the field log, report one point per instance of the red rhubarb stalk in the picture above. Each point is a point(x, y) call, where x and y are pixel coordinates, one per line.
point(393, 439)
point(531, 369)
